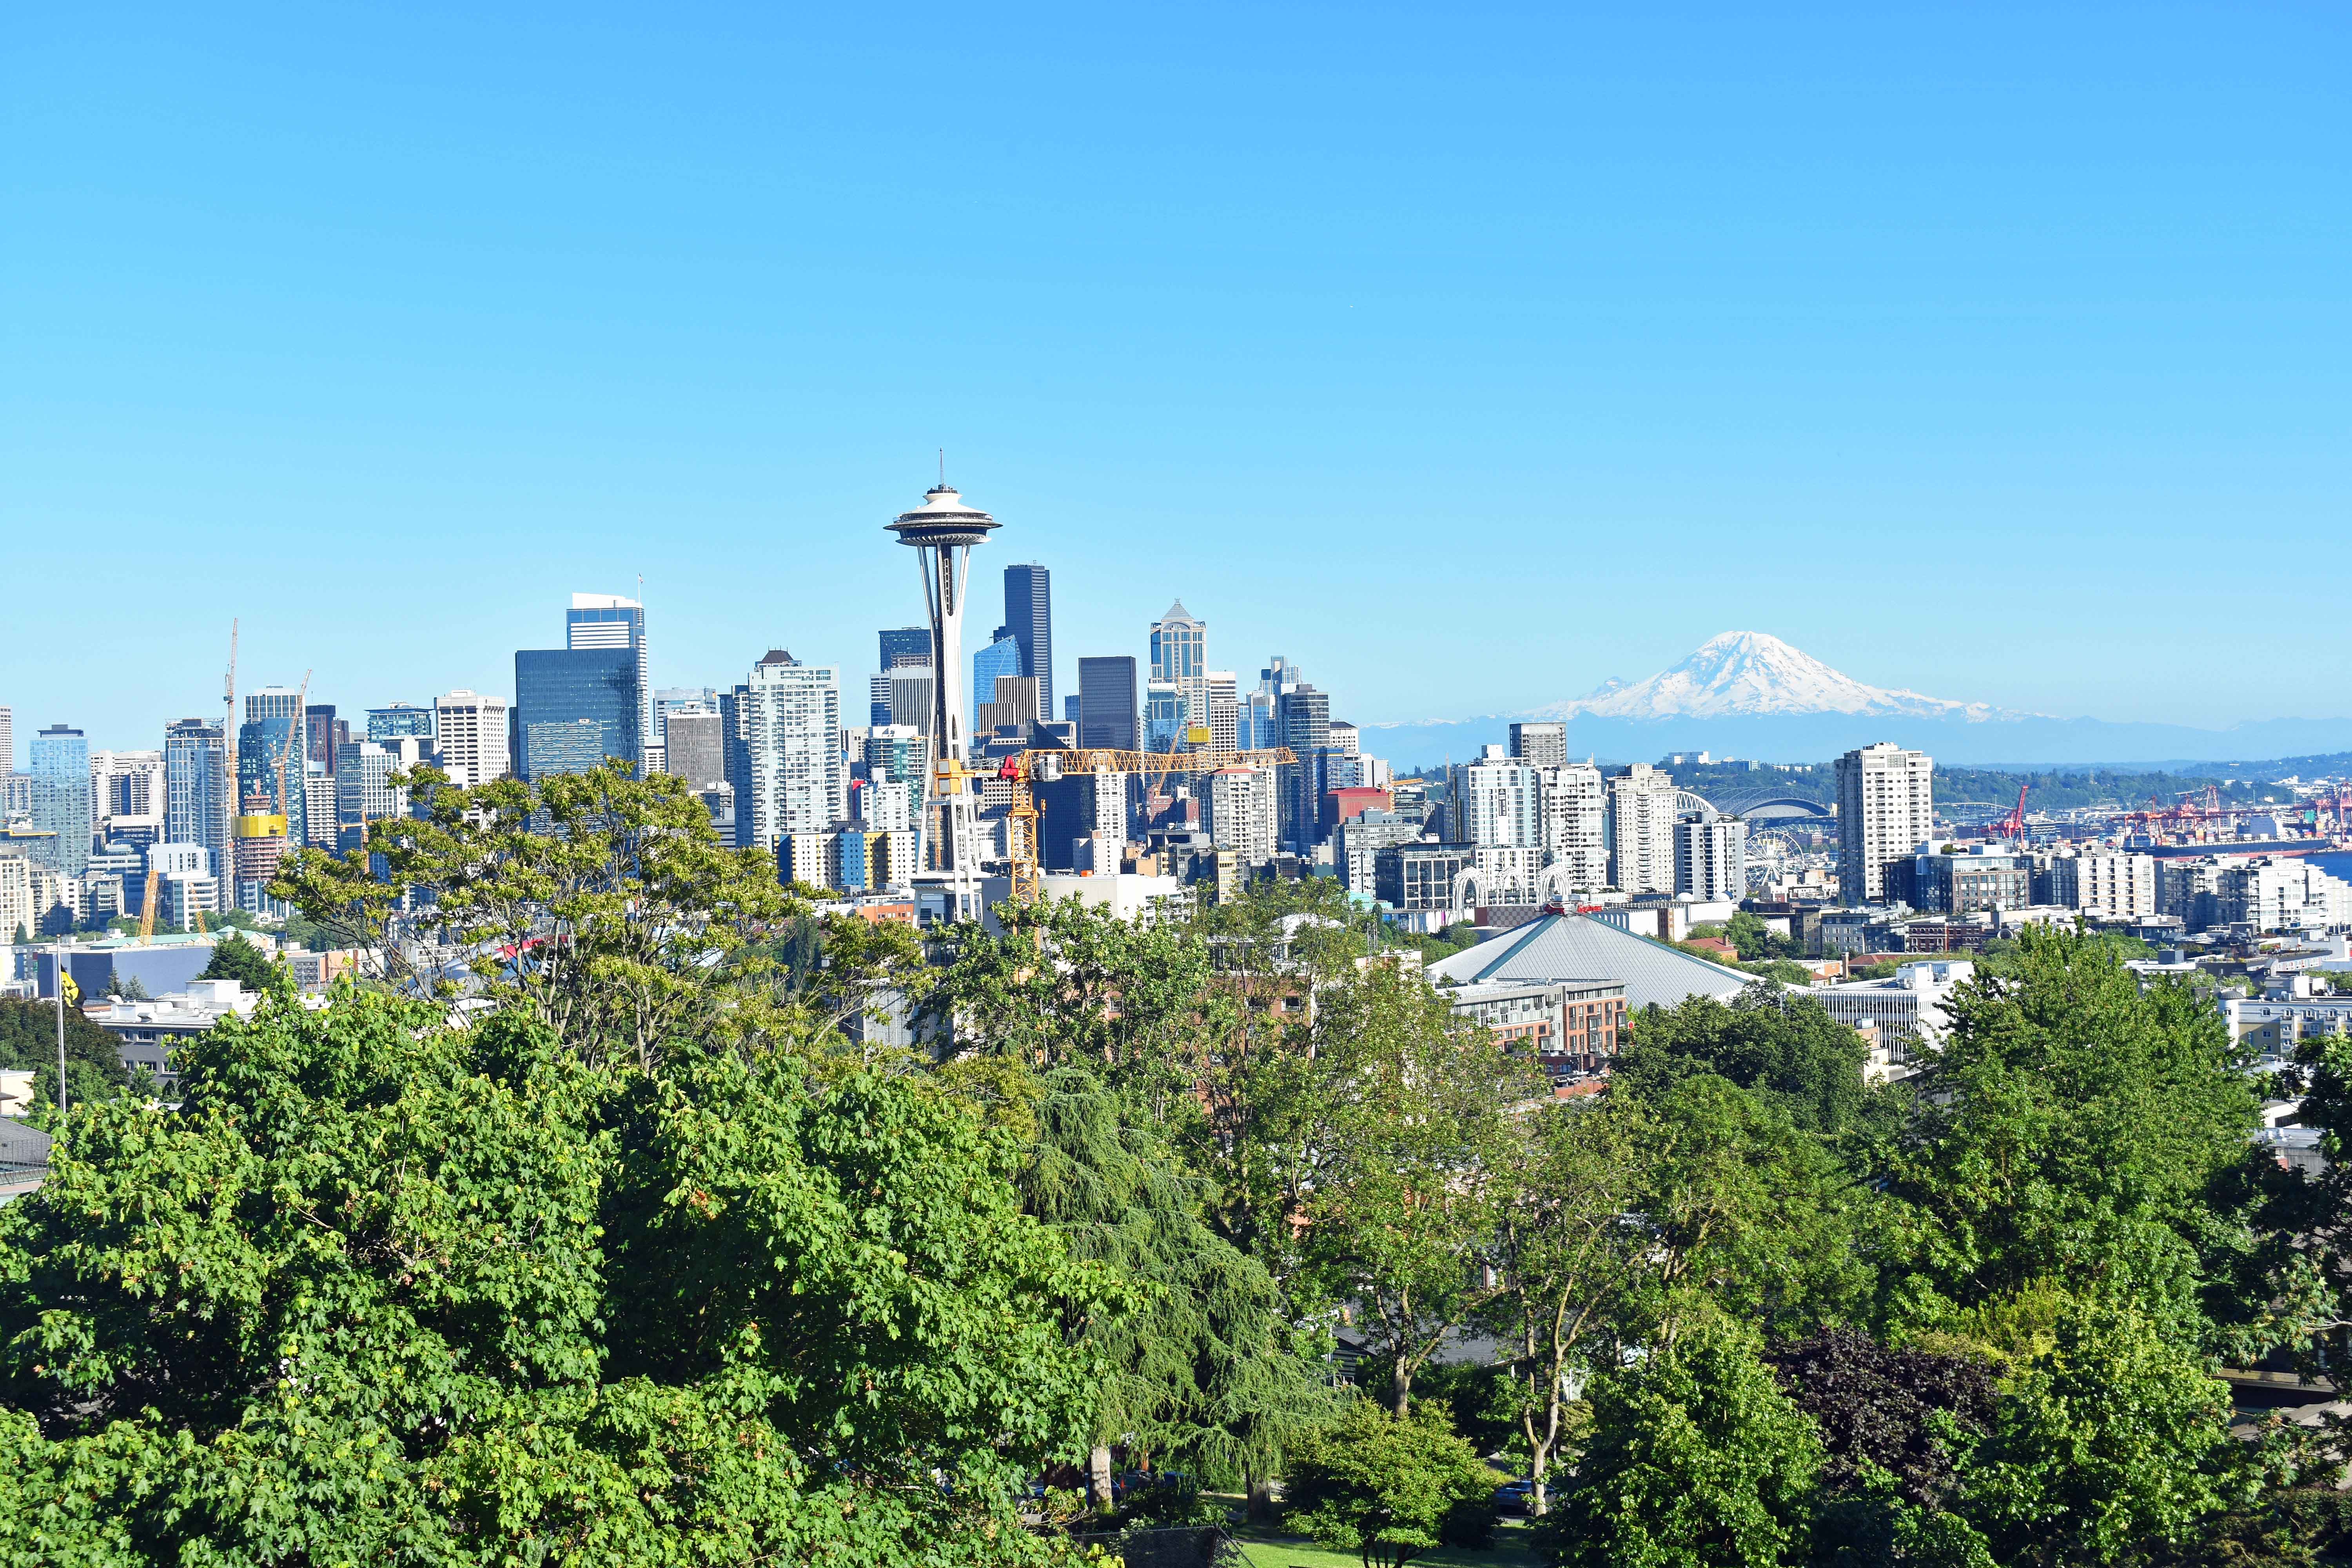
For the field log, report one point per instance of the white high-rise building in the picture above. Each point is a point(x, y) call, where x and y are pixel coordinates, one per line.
point(1224, 709)
point(799, 781)
point(1245, 813)
point(1575, 824)
point(473, 737)
point(1502, 803)
point(1642, 806)
point(1886, 809)
point(126, 784)
point(883, 806)
point(2106, 882)
point(1711, 857)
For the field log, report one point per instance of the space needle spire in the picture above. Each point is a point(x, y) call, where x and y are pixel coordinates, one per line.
point(942, 532)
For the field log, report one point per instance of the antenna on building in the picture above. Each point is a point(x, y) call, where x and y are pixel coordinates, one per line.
point(943, 467)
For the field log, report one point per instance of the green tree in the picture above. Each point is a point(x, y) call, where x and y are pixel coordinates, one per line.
point(1400, 1209)
point(1786, 1047)
point(2298, 1277)
point(1698, 1460)
point(384, 1290)
point(2112, 1443)
point(1385, 1485)
point(1205, 1373)
point(235, 958)
point(1758, 941)
point(2074, 1127)
point(28, 1042)
point(1745, 1213)
point(1568, 1256)
point(599, 903)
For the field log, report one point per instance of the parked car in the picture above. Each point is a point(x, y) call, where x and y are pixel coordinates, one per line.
point(1515, 1496)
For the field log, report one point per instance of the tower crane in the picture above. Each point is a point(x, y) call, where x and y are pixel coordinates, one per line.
point(1023, 770)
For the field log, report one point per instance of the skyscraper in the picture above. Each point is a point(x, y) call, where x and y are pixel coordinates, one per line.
point(696, 748)
point(1224, 709)
point(1029, 616)
point(1886, 809)
point(1576, 831)
point(899, 644)
point(1002, 657)
point(7, 744)
point(197, 805)
point(608, 621)
point(399, 721)
point(472, 729)
point(1642, 805)
point(274, 736)
point(575, 703)
point(61, 798)
point(325, 733)
point(1106, 715)
point(793, 717)
point(1180, 656)
point(1542, 744)
point(1303, 717)
point(1711, 856)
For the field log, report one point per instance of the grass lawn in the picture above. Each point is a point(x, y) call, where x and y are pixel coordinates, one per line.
point(1266, 1551)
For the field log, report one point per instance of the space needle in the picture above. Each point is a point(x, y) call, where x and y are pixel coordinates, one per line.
point(942, 532)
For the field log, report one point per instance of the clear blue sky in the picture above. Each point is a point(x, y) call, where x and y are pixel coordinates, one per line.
point(1467, 355)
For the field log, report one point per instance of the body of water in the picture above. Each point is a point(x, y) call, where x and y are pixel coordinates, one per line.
point(2334, 862)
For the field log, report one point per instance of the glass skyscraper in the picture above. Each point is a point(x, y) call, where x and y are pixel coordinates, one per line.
point(196, 806)
point(61, 802)
point(1002, 657)
point(274, 731)
point(402, 719)
point(605, 621)
point(1029, 617)
point(556, 690)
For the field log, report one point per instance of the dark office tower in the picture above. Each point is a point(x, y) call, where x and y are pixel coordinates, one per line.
point(1305, 717)
point(735, 736)
point(905, 642)
point(1029, 611)
point(1106, 714)
point(575, 707)
point(326, 735)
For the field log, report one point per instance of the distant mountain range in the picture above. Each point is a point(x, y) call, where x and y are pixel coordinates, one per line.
point(1749, 694)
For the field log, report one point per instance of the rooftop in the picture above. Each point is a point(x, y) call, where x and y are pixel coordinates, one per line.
point(1580, 948)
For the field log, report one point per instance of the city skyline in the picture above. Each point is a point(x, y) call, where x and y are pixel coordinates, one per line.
point(1569, 341)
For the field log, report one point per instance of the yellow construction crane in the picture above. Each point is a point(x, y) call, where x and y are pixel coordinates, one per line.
point(1024, 770)
point(147, 908)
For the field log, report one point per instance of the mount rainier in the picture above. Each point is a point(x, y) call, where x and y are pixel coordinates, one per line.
point(1749, 694)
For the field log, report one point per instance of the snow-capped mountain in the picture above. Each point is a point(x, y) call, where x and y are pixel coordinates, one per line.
point(1754, 674)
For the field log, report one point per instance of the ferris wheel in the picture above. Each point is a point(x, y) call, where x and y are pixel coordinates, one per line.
point(1768, 853)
